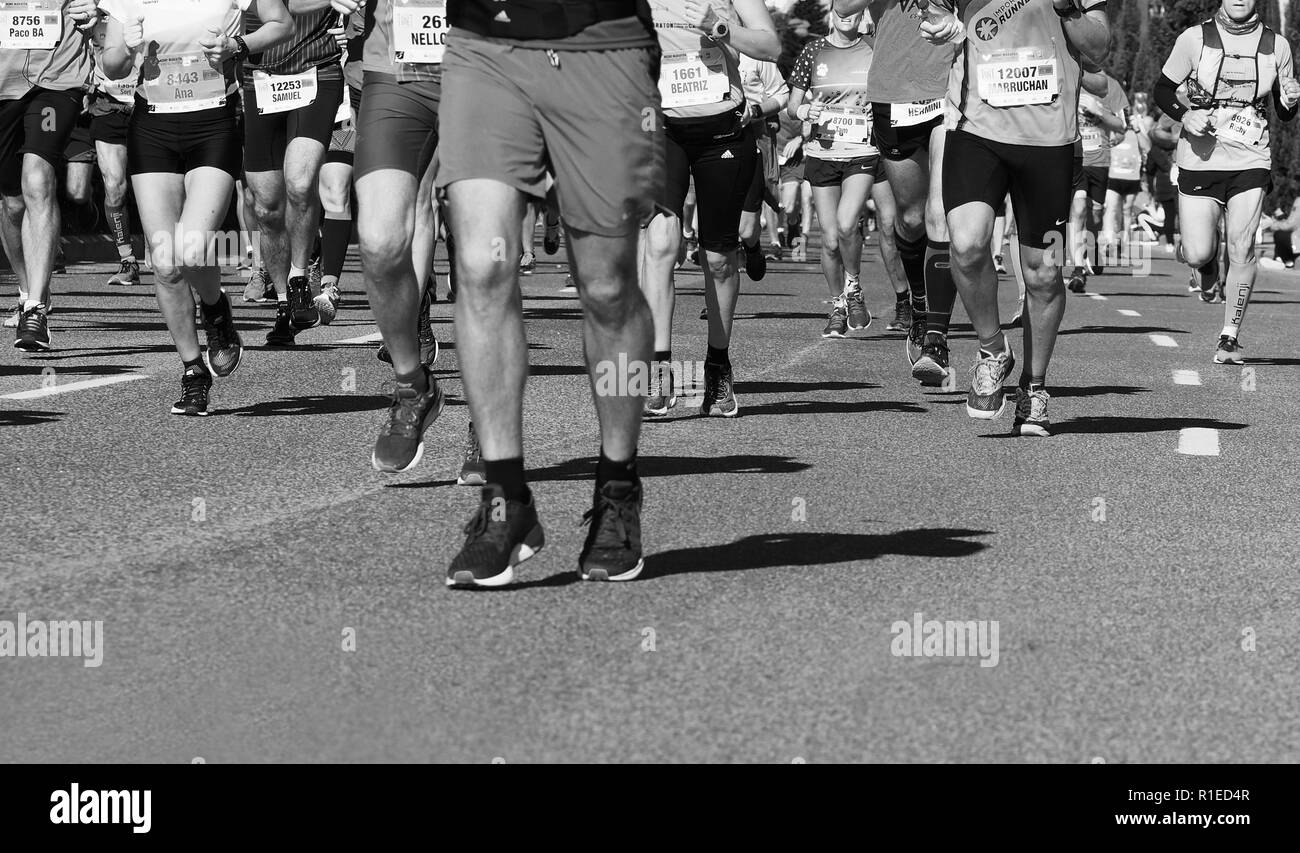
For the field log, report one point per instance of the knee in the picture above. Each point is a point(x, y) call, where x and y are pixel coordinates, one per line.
point(114, 192)
point(830, 239)
point(385, 249)
point(300, 193)
point(269, 213)
point(662, 237)
point(334, 200)
point(1242, 251)
point(1197, 255)
point(485, 265)
point(721, 264)
point(609, 298)
point(911, 222)
point(39, 185)
point(13, 209)
point(78, 193)
point(968, 249)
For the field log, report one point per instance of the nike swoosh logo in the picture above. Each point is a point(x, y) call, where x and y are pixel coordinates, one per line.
point(1060, 222)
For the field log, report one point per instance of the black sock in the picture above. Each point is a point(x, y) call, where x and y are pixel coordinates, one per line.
point(335, 234)
point(912, 254)
point(196, 364)
point(718, 356)
point(663, 355)
point(940, 292)
point(607, 470)
point(509, 475)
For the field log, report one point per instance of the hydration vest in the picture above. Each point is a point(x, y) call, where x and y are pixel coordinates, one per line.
point(533, 20)
point(1203, 85)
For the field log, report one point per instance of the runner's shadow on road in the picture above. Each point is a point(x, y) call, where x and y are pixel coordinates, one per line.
point(774, 550)
point(774, 387)
point(1275, 362)
point(18, 417)
point(334, 404)
point(1100, 391)
point(1121, 425)
point(674, 466)
point(830, 407)
point(1120, 330)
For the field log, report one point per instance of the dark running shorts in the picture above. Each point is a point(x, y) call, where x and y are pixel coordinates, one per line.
point(26, 128)
point(831, 173)
point(1221, 185)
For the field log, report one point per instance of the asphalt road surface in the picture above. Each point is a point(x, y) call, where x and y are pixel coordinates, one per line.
point(266, 596)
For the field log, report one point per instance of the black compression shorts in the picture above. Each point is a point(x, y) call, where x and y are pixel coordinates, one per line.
point(722, 158)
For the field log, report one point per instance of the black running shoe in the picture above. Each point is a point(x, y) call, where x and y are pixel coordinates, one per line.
point(224, 346)
point(473, 472)
point(931, 367)
point(837, 321)
point(755, 263)
point(612, 551)
point(662, 396)
point(283, 333)
point(1077, 283)
point(195, 384)
point(902, 317)
point(859, 315)
point(1213, 295)
point(303, 314)
point(33, 330)
point(719, 393)
point(1228, 351)
point(551, 239)
point(401, 441)
point(499, 536)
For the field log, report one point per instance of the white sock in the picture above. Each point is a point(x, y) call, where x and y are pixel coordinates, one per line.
point(29, 304)
point(295, 272)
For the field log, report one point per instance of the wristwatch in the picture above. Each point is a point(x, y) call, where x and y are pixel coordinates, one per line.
point(241, 48)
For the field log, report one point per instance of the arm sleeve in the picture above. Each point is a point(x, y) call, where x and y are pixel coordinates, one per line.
point(801, 75)
point(1285, 67)
point(1166, 96)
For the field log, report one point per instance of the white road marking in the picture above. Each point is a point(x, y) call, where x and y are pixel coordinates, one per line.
point(1129, 312)
point(1096, 296)
point(73, 386)
point(1198, 441)
point(364, 339)
point(1163, 340)
point(1187, 377)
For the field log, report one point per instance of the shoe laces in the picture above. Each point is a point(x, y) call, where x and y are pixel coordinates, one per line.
point(124, 267)
point(194, 383)
point(32, 317)
point(404, 414)
point(480, 524)
point(986, 375)
point(472, 449)
point(618, 511)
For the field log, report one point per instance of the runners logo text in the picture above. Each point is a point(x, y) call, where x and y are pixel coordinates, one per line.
point(92, 807)
point(946, 639)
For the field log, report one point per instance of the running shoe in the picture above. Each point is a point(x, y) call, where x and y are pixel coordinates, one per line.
point(661, 397)
point(33, 330)
point(1229, 351)
point(551, 239)
point(776, 253)
point(195, 384)
point(401, 441)
point(755, 263)
point(570, 286)
point(719, 393)
point(527, 263)
point(11, 322)
point(902, 317)
point(224, 346)
point(499, 536)
point(987, 397)
point(259, 287)
point(302, 311)
point(837, 323)
point(1031, 413)
point(1213, 295)
point(327, 301)
point(999, 265)
point(915, 342)
point(128, 273)
point(283, 332)
point(612, 551)
point(60, 264)
point(315, 272)
point(704, 313)
point(859, 316)
point(931, 366)
point(1078, 283)
point(472, 470)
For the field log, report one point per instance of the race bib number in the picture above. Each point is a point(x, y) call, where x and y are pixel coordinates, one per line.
point(1094, 137)
point(1244, 126)
point(183, 84)
point(693, 78)
point(420, 31)
point(1018, 77)
point(909, 115)
point(30, 24)
point(281, 93)
point(122, 91)
point(844, 124)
